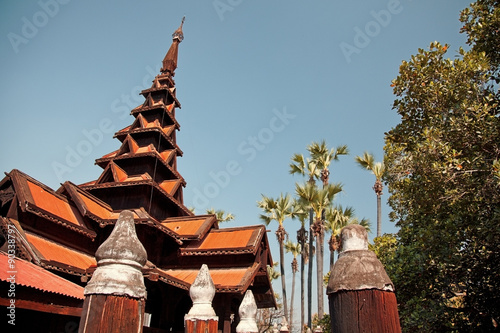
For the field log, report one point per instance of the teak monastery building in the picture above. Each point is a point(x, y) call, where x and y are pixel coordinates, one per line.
point(49, 237)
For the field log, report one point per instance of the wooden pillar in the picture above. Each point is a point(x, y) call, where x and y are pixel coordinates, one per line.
point(201, 317)
point(248, 314)
point(360, 293)
point(115, 295)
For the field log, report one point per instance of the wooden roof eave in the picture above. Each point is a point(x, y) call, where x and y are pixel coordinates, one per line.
point(176, 173)
point(74, 192)
point(250, 249)
point(26, 202)
point(29, 207)
point(240, 288)
point(142, 108)
point(120, 135)
point(204, 229)
point(139, 183)
point(24, 250)
point(169, 90)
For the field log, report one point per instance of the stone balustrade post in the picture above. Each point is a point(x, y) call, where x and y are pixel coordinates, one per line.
point(248, 314)
point(201, 318)
point(115, 295)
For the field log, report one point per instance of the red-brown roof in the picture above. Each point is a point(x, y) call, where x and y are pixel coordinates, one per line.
point(30, 275)
point(189, 227)
point(60, 256)
point(41, 200)
point(227, 241)
point(225, 279)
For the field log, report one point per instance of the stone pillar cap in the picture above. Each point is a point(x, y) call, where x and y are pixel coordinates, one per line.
point(202, 292)
point(248, 313)
point(357, 267)
point(120, 259)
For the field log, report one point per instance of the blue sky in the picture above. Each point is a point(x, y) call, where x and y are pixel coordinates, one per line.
point(258, 81)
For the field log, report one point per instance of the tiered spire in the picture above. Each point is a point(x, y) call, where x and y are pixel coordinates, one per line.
point(143, 171)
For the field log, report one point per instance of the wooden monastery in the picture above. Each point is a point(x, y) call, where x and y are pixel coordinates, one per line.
point(49, 238)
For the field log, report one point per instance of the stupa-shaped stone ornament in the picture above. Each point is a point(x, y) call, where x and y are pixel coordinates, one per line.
point(357, 267)
point(248, 313)
point(202, 292)
point(119, 262)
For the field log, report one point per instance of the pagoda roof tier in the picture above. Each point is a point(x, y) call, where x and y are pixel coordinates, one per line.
point(121, 156)
point(39, 199)
point(160, 97)
point(160, 109)
point(236, 279)
point(92, 207)
point(227, 241)
point(190, 227)
point(136, 191)
point(115, 174)
point(161, 83)
point(55, 256)
point(35, 277)
point(226, 280)
point(141, 124)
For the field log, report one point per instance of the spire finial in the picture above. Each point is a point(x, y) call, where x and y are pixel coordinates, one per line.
point(178, 33)
point(170, 60)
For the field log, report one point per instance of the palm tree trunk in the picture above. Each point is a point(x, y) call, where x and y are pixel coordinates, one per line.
point(332, 259)
point(309, 272)
point(293, 295)
point(319, 268)
point(283, 280)
point(302, 298)
point(379, 216)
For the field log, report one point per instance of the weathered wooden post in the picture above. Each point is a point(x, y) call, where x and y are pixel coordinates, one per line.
point(360, 293)
point(248, 314)
point(115, 295)
point(201, 317)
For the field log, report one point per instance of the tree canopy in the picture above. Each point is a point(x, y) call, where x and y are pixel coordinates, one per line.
point(442, 173)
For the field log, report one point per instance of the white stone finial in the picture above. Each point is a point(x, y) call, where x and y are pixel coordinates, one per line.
point(275, 327)
point(202, 292)
point(248, 313)
point(120, 259)
point(354, 237)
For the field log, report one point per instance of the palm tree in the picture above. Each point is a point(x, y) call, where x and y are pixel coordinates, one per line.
point(318, 200)
point(295, 249)
point(278, 209)
point(302, 214)
point(272, 272)
point(220, 215)
point(308, 168)
point(315, 167)
point(335, 219)
point(323, 157)
point(367, 161)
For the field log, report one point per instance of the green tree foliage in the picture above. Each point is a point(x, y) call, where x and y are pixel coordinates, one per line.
point(442, 174)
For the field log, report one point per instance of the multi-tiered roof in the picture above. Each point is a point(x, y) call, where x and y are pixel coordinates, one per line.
point(57, 232)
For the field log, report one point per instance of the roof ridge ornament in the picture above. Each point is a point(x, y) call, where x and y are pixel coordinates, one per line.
point(178, 33)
